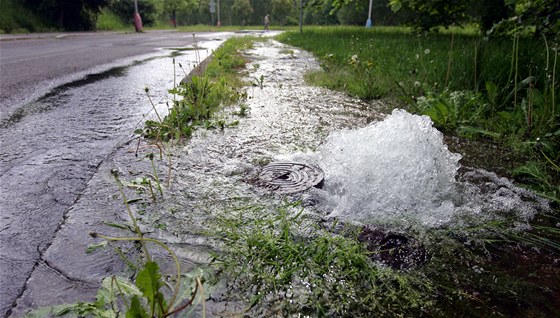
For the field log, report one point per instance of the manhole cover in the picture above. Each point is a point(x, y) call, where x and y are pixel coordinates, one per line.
point(290, 177)
point(393, 249)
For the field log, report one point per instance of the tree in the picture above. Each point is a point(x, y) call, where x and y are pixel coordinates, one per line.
point(429, 14)
point(125, 8)
point(242, 9)
point(492, 12)
point(353, 13)
point(320, 12)
point(281, 9)
point(543, 14)
point(70, 15)
point(260, 9)
point(173, 6)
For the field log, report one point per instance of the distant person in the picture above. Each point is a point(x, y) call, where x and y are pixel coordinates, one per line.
point(266, 22)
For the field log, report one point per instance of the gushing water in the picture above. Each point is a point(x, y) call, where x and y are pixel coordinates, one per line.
point(398, 167)
point(400, 171)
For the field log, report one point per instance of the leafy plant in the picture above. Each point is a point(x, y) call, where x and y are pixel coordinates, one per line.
point(282, 262)
point(259, 82)
point(202, 96)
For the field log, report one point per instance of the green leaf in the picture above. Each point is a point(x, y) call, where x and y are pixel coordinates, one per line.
point(39, 313)
point(80, 308)
point(473, 131)
point(118, 226)
point(492, 91)
point(395, 5)
point(136, 310)
point(149, 282)
point(122, 285)
point(94, 247)
point(134, 200)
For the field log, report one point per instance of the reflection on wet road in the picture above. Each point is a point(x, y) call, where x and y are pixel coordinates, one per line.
point(51, 147)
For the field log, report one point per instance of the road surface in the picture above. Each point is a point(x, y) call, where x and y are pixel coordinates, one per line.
point(32, 65)
point(67, 102)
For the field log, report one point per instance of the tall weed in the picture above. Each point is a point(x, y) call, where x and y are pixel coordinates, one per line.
point(202, 95)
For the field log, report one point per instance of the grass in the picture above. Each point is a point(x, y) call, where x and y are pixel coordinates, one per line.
point(14, 18)
point(284, 263)
point(280, 262)
point(503, 89)
point(206, 91)
point(108, 21)
point(393, 60)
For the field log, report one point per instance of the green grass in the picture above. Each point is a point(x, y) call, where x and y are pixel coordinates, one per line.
point(504, 89)
point(280, 262)
point(391, 60)
point(14, 18)
point(108, 21)
point(283, 262)
point(213, 86)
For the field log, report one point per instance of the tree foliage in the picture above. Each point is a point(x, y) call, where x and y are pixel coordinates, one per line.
point(428, 14)
point(71, 15)
point(242, 9)
point(543, 14)
point(281, 9)
point(125, 10)
point(173, 8)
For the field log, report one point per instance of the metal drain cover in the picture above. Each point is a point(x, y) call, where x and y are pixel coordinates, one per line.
point(290, 177)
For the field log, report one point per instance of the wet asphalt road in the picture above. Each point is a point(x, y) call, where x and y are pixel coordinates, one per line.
point(67, 102)
point(32, 65)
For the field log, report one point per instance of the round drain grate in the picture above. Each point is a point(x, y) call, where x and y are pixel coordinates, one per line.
point(290, 177)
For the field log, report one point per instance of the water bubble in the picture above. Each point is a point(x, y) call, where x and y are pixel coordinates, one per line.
point(400, 172)
point(399, 167)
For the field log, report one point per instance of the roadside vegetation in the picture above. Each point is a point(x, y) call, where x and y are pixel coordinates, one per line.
point(502, 90)
point(283, 263)
point(15, 18)
point(210, 87)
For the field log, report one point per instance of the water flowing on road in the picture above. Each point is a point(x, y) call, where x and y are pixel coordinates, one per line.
point(52, 146)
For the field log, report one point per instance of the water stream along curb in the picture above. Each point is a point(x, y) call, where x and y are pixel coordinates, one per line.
point(57, 148)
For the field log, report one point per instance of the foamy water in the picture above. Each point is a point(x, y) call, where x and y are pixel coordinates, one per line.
point(400, 171)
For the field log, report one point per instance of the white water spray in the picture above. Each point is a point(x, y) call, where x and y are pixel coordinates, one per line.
point(400, 171)
point(398, 167)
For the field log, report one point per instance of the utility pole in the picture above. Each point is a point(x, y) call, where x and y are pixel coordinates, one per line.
point(137, 18)
point(301, 16)
point(219, 21)
point(212, 5)
point(368, 22)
